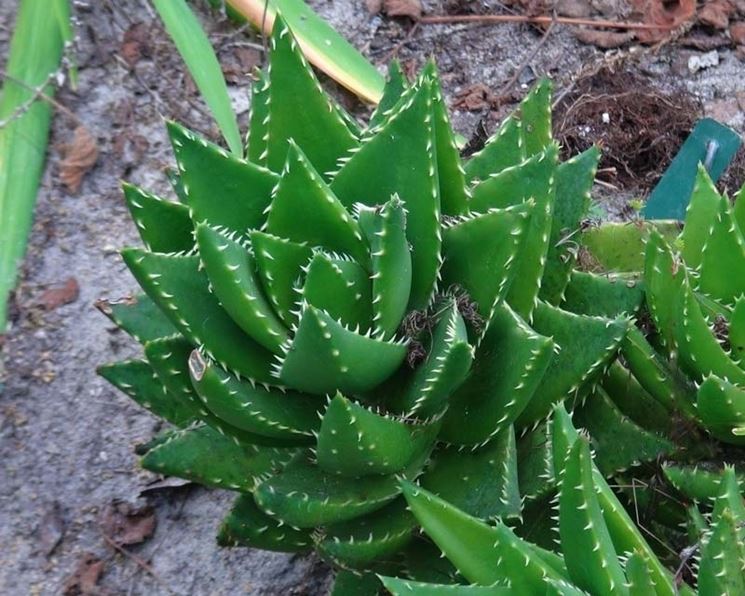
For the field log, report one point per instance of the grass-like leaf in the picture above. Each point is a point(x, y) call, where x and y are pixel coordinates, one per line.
point(192, 43)
point(35, 54)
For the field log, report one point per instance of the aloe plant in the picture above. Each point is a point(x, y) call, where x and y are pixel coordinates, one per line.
point(599, 548)
point(355, 305)
point(682, 369)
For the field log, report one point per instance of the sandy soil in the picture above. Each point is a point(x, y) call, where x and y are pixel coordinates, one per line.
point(67, 437)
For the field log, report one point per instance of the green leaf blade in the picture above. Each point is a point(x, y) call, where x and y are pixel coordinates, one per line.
point(195, 49)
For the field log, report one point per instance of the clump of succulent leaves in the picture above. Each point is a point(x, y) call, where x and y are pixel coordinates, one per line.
point(598, 547)
point(679, 385)
point(665, 421)
point(352, 308)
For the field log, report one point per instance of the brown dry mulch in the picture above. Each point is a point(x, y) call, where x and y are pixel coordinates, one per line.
point(639, 127)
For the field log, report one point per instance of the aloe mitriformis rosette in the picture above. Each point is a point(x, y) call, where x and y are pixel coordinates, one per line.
point(682, 371)
point(351, 306)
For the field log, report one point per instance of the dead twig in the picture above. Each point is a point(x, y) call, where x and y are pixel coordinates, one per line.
point(528, 59)
point(542, 20)
point(137, 560)
point(37, 94)
point(397, 48)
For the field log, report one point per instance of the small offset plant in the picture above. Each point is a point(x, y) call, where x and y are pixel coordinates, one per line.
point(353, 306)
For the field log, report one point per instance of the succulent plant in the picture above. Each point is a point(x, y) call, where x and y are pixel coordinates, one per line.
point(348, 307)
point(691, 358)
point(599, 550)
point(680, 374)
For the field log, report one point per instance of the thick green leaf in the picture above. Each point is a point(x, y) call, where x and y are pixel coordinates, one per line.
point(484, 554)
point(324, 356)
point(304, 210)
point(618, 442)
point(607, 295)
point(319, 128)
point(503, 150)
point(395, 86)
point(340, 287)
point(700, 217)
point(638, 577)
point(385, 231)
point(533, 179)
point(509, 364)
point(280, 264)
point(700, 482)
point(354, 441)
point(482, 483)
point(194, 47)
point(634, 401)
point(620, 247)
point(535, 463)
point(623, 531)
point(721, 406)
point(535, 113)
point(247, 525)
point(232, 273)
point(218, 187)
point(254, 408)
point(423, 562)
point(139, 316)
point(403, 587)
point(361, 541)
point(574, 180)
point(449, 356)
point(585, 346)
point(205, 456)
point(258, 121)
point(481, 254)
point(700, 352)
point(722, 556)
point(589, 553)
point(138, 380)
point(181, 289)
point(668, 387)
point(454, 194)
point(403, 149)
point(169, 357)
point(356, 583)
point(305, 496)
point(164, 226)
point(736, 332)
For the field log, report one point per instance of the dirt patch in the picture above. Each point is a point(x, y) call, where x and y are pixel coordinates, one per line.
point(638, 127)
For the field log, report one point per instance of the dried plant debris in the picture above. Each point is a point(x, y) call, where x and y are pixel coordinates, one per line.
point(59, 295)
point(639, 127)
point(51, 529)
point(84, 579)
point(733, 178)
point(127, 524)
point(80, 155)
point(709, 21)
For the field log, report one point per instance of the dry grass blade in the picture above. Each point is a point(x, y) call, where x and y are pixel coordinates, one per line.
point(35, 54)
